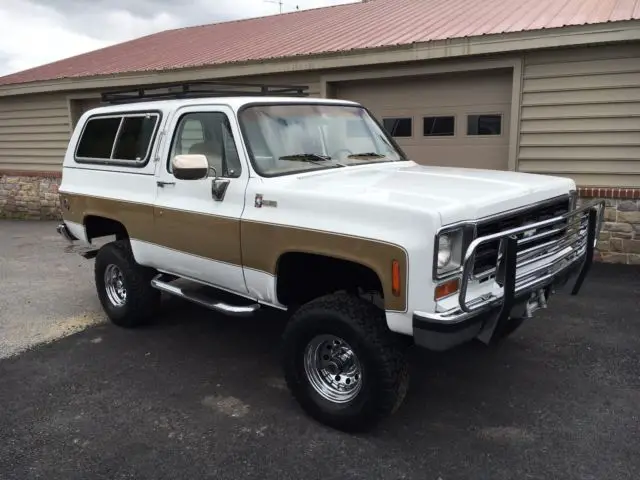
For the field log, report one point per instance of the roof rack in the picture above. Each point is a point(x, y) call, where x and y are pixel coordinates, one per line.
point(199, 89)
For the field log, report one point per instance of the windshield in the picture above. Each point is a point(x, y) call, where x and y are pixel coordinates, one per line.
point(295, 138)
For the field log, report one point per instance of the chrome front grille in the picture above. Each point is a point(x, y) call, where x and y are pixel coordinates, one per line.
point(486, 255)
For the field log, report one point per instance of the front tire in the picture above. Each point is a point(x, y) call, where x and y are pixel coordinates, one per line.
point(342, 364)
point(124, 287)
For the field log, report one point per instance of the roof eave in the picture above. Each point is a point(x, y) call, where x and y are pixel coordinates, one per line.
point(440, 49)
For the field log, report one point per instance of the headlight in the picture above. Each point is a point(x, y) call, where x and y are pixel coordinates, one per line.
point(444, 251)
point(448, 256)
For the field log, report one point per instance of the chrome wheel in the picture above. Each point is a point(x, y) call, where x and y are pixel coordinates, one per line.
point(114, 285)
point(333, 369)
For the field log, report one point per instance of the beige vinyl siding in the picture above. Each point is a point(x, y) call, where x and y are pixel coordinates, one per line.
point(34, 132)
point(580, 115)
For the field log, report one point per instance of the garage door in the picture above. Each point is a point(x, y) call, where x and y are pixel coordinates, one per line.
point(457, 120)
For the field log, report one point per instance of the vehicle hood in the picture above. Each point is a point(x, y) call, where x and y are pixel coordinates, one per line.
point(455, 194)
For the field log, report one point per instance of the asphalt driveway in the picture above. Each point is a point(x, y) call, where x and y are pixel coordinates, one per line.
point(201, 396)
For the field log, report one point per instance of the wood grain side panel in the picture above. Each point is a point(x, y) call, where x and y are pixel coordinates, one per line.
point(218, 238)
point(136, 217)
point(208, 236)
point(263, 244)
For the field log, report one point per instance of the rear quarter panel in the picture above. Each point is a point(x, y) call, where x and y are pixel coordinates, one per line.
point(119, 192)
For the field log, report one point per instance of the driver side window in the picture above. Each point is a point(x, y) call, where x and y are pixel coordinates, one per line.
point(208, 134)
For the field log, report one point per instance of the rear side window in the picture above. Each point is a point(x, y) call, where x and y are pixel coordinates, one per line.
point(98, 137)
point(135, 138)
point(123, 138)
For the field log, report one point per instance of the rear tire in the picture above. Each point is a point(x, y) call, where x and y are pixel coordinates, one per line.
point(124, 287)
point(342, 364)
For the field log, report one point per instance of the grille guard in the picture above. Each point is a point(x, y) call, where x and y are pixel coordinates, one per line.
point(545, 261)
point(528, 270)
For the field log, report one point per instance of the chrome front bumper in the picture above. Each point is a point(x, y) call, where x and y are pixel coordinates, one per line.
point(520, 274)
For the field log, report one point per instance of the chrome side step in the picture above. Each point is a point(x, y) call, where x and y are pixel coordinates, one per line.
point(162, 283)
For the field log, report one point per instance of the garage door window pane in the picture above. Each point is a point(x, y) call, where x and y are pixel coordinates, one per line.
point(439, 126)
point(484, 124)
point(97, 138)
point(398, 127)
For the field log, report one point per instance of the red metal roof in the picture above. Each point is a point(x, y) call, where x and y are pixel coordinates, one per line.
point(377, 23)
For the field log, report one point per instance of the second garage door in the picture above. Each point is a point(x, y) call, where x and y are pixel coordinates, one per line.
point(457, 120)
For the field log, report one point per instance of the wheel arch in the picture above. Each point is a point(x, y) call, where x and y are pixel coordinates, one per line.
point(329, 272)
point(264, 245)
point(98, 225)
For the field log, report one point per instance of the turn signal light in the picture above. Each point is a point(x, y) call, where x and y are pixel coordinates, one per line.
point(447, 288)
point(395, 278)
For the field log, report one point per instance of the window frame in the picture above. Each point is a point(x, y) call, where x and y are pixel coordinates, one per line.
point(176, 129)
point(466, 130)
point(398, 117)
point(441, 115)
point(115, 161)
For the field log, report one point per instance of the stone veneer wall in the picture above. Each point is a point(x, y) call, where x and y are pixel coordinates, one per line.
point(34, 195)
point(29, 195)
point(619, 240)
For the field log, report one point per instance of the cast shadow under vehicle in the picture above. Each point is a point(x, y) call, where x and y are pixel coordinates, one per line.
point(445, 388)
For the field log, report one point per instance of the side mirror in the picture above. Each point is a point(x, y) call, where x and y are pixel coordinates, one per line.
point(190, 167)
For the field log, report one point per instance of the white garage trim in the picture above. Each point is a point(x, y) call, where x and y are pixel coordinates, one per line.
point(328, 82)
point(72, 102)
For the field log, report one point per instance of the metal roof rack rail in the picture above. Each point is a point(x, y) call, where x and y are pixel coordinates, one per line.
point(199, 89)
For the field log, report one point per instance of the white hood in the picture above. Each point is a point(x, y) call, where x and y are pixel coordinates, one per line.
point(454, 193)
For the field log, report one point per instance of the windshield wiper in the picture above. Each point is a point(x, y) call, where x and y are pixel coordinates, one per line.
point(305, 156)
point(366, 155)
point(309, 157)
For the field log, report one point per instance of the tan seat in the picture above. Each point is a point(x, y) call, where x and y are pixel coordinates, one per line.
point(211, 150)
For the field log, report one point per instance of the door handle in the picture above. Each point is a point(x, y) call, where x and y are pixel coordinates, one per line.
point(162, 184)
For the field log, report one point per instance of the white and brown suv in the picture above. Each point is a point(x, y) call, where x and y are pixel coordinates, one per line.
point(308, 206)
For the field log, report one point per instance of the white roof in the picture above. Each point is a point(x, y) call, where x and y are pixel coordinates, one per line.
point(235, 103)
